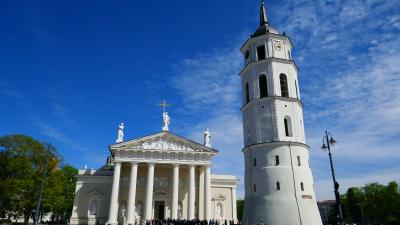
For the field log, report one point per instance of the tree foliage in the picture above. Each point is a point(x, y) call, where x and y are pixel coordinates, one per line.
point(240, 208)
point(22, 163)
point(374, 203)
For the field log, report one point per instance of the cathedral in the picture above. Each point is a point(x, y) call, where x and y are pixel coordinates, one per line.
point(158, 176)
point(164, 175)
point(279, 187)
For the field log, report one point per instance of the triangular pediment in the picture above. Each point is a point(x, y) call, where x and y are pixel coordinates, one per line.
point(162, 141)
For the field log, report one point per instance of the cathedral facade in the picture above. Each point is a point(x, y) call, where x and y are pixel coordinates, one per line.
point(160, 176)
point(279, 187)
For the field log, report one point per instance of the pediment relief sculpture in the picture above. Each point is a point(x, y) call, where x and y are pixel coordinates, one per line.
point(163, 145)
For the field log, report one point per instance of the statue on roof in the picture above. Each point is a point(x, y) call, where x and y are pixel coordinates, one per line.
point(166, 121)
point(120, 137)
point(207, 138)
point(165, 116)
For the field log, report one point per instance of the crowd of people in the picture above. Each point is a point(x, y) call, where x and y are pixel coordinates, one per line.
point(187, 222)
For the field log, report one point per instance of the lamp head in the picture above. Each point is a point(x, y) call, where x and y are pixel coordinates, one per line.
point(323, 147)
point(332, 141)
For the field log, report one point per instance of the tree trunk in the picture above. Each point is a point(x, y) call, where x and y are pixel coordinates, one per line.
point(26, 217)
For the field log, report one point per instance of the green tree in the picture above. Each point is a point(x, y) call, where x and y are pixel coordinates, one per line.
point(22, 165)
point(373, 203)
point(59, 193)
point(392, 203)
point(240, 208)
point(352, 203)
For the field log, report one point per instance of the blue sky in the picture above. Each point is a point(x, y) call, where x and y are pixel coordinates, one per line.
point(70, 71)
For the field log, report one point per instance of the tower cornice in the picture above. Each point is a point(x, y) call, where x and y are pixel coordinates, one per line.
point(276, 143)
point(263, 37)
point(270, 59)
point(273, 98)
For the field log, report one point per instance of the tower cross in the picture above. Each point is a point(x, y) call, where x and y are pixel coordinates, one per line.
point(164, 104)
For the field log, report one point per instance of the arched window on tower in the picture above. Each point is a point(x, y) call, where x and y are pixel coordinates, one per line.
point(247, 92)
point(284, 85)
point(254, 188)
point(297, 91)
point(288, 126)
point(302, 186)
point(262, 83)
point(278, 186)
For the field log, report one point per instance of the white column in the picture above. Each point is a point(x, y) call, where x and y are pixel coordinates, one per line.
point(234, 209)
point(175, 192)
point(192, 196)
point(132, 194)
point(149, 192)
point(207, 193)
point(112, 216)
point(201, 193)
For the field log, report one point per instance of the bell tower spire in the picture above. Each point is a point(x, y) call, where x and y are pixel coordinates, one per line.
point(263, 14)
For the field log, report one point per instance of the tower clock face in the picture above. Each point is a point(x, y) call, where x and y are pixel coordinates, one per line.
point(278, 45)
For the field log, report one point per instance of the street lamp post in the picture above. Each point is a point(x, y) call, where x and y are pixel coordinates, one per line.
point(328, 139)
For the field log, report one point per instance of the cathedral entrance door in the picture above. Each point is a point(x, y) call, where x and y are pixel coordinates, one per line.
point(159, 207)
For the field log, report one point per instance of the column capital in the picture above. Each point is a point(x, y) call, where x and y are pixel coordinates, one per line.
point(175, 164)
point(117, 163)
point(192, 165)
point(151, 163)
point(134, 163)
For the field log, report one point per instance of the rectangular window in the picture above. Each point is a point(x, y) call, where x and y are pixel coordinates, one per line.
point(247, 90)
point(278, 186)
point(261, 52)
point(286, 127)
point(254, 162)
point(302, 186)
point(277, 160)
point(298, 161)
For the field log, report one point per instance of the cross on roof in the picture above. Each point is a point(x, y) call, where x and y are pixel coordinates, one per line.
point(164, 104)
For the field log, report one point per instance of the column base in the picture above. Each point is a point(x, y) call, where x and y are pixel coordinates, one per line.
point(111, 223)
point(129, 223)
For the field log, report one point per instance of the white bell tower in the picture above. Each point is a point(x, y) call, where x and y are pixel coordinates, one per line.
point(279, 187)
